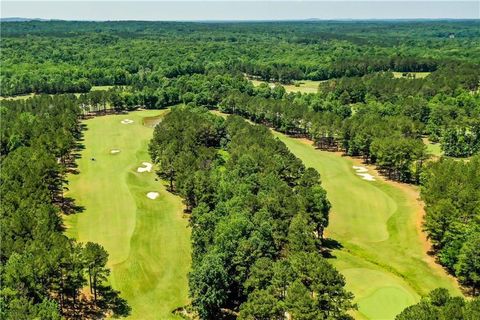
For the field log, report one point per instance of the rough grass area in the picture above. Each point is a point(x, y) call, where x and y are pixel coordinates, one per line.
point(304, 86)
point(148, 240)
point(415, 75)
point(433, 149)
point(99, 88)
point(384, 255)
point(29, 95)
point(19, 97)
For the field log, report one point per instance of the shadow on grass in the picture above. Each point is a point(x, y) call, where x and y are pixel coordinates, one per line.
point(111, 300)
point(108, 305)
point(328, 245)
point(68, 206)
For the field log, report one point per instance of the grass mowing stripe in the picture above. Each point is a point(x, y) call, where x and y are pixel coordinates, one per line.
point(383, 258)
point(148, 240)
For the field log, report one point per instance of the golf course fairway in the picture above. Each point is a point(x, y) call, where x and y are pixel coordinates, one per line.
point(383, 257)
point(148, 240)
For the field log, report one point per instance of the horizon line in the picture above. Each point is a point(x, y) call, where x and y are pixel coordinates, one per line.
point(38, 19)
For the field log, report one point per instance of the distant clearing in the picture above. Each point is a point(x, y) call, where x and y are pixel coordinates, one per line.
point(433, 148)
point(30, 95)
point(304, 86)
point(132, 215)
point(19, 97)
point(415, 75)
point(99, 88)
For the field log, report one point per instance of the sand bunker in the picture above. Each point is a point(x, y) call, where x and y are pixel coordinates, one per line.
point(152, 195)
point(147, 167)
point(114, 151)
point(126, 121)
point(366, 176)
point(361, 171)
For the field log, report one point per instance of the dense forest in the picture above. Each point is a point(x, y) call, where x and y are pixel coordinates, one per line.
point(257, 214)
point(338, 117)
point(257, 217)
point(440, 305)
point(73, 56)
point(451, 190)
point(43, 272)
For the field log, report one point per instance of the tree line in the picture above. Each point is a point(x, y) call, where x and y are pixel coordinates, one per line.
point(67, 57)
point(438, 304)
point(384, 130)
point(43, 273)
point(362, 110)
point(257, 218)
point(451, 193)
point(446, 113)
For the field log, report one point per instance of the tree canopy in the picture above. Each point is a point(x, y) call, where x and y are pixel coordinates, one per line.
point(254, 205)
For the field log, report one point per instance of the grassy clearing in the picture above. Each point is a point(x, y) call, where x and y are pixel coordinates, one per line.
point(384, 252)
point(433, 148)
point(100, 88)
point(148, 240)
point(303, 86)
point(19, 97)
point(30, 95)
point(416, 75)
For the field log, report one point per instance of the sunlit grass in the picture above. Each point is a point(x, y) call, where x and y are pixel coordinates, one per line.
point(148, 240)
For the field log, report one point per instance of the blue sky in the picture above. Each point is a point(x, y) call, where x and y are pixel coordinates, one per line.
point(239, 10)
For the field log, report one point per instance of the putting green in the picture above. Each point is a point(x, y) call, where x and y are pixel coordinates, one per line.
point(383, 257)
point(148, 241)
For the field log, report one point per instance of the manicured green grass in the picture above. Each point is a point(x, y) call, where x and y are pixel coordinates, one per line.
point(148, 240)
point(304, 86)
point(383, 257)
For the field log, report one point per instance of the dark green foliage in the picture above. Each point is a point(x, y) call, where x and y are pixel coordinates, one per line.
point(392, 141)
point(204, 65)
point(439, 305)
point(42, 271)
point(60, 57)
point(452, 197)
point(256, 212)
point(468, 266)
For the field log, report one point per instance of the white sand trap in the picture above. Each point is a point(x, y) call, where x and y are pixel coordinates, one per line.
point(147, 167)
point(362, 172)
point(152, 195)
point(360, 169)
point(114, 151)
point(366, 176)
point(126, 121)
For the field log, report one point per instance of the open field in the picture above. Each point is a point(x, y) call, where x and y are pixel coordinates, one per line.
point(99, 88)
point(378, 224)
point(148, 240)
point(416, 75)
point(433, 149)
point(304, 86)
point(19, 97)
point(26, 96)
